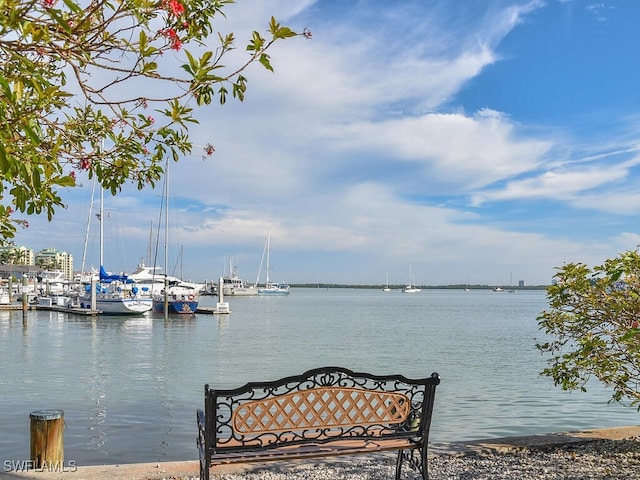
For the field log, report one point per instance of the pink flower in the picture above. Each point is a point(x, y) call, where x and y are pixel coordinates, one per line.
point(85, 164)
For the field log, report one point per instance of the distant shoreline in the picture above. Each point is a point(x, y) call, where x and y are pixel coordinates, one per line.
point(424, 287)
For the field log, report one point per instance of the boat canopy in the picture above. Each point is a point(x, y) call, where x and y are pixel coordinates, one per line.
point(107, 277)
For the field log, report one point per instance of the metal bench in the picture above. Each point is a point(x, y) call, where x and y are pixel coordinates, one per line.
point(323, 412)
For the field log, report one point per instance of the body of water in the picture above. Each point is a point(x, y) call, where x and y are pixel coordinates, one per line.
point(130, 387)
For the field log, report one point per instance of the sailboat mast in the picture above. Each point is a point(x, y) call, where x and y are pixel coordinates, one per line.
point(268, 249)
point(86, 233)
point(166, 236)
point(101, 226)
point(166, 219)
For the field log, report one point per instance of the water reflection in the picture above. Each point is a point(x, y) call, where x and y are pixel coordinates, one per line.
point(130, 386)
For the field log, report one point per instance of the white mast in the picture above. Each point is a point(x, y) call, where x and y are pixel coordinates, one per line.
point(268, 248)
point(101, 227)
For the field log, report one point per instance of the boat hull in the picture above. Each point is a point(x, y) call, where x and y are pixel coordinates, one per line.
point(120, 306)
point(239, 291)
point(273, 290)
point(184, 307)
point(411, 290)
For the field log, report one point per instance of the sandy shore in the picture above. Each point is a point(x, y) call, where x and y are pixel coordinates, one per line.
point(612, 453)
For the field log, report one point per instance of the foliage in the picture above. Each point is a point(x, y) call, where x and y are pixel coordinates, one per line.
point(594, 325)
point(108, 87)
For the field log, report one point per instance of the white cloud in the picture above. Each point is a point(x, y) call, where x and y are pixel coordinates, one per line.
point(352, 157)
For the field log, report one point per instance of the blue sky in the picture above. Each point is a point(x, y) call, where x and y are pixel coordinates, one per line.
point(477, 141)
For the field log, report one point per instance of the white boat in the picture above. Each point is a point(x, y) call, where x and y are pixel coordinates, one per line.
point(270, 288)
point(116, 295)
point(182, 297)
point(113, 294)
point(5, 298)
point(151, 280)
point(234, 286)
point(410, 288)
point(52, 282)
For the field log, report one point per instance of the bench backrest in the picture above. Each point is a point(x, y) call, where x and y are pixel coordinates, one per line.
point(319, 405)
point(323, 407)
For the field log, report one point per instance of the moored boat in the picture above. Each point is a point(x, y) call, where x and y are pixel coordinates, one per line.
point(116, 295)
point(271, 288)
point(410, 288)
point(182, 303)
point(274, 289)
point(234, 286)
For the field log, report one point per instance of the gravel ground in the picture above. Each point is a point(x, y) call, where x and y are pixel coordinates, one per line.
point(601, 460)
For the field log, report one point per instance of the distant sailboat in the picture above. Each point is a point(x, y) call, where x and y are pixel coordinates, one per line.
point(512, 289)
point(271, 288)
point(410, 288)
point(387, 289)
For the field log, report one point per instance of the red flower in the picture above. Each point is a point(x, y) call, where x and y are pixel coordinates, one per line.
point(85, 164)
point(176, 7)
point(176, 43)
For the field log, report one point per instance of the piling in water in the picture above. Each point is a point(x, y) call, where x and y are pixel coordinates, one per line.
point(47, 440)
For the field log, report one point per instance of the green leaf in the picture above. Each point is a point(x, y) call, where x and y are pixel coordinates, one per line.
point(265, 61)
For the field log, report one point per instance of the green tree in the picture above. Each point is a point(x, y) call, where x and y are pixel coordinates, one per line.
point(593, 327)
point(108, 87)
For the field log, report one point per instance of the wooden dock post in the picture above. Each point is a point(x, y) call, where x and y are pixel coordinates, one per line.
point(47, 443)
point(25, 296)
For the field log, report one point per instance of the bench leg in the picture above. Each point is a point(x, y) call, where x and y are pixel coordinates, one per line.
point(399, 464)
point(417, 461)
point(204, 470)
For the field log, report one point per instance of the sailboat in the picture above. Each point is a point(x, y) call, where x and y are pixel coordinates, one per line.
point(270, 288)
point(176, 296)
point(387, 289)
point(114, 294)
point(410, 288)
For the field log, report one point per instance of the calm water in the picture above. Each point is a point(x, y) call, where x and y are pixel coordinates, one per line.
point(130, 387)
